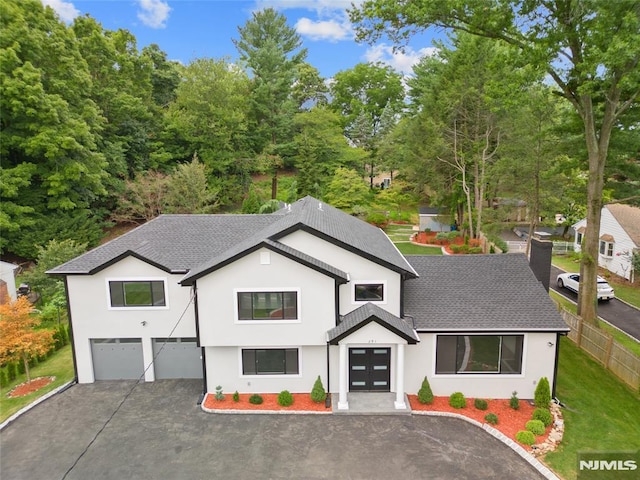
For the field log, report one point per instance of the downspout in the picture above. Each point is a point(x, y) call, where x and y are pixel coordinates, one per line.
point(202, 350)
point(71, 339)
point(555, 366)
point(336, 295)
point(327, 399)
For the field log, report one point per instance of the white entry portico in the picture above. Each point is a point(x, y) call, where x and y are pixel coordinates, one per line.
point(372, 345)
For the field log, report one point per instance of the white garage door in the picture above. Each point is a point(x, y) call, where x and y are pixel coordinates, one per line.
point(179, 358)
point(117, 358)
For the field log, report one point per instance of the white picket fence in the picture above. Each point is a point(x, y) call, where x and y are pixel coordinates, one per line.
point(559, 248)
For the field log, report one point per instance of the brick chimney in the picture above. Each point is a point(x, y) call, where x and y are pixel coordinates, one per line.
point(540, 260)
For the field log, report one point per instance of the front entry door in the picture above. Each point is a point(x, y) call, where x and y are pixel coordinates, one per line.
point(369, 369)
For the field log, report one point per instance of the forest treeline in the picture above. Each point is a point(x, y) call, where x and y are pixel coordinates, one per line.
point(96, 130)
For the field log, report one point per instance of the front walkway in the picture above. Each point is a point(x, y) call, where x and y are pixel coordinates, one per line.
point(371, 403)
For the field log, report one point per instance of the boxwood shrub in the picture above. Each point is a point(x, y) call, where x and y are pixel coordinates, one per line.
point(480, 404)
point(535, 426)
point(457, 400)
point(255, 399)
point(526, 437)
point(285, 399)
point(491, 418)
point(543, 415)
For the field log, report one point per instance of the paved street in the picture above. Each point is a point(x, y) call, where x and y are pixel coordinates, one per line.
point(617, 313)
point(160, 433)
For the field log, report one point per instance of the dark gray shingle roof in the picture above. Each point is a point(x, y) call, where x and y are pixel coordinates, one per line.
point(478, 293)
point(175, 242)
point(198, 243)
point(367, 313)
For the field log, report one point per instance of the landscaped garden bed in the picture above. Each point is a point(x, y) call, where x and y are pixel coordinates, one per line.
point(301, 402)
point(453, 242)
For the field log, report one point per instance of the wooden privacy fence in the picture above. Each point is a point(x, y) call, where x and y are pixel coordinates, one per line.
point(600, 345)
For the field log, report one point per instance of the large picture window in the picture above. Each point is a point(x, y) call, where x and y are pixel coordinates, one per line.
point(137, 293)
point(267, 305)
point(270, 361)
point(473, 354)
point(369, 292)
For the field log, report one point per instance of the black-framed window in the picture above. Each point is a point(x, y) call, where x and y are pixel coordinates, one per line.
point(369, 292)
point(267, 305)
point(474, 354)
point(137, 293)
point(270, 361)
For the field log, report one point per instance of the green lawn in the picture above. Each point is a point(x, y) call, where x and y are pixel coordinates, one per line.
point(399, 232)
point(407, 248)
point(600, 414)
point(59, 365)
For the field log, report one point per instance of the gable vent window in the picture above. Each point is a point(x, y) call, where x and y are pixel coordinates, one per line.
point(137, 293)
point(369, 292)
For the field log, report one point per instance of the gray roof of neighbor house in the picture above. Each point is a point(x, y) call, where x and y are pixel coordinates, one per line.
point(478, 293)
point(199, 244)
point(629, 219)
point(367, 313)
point(432, 211)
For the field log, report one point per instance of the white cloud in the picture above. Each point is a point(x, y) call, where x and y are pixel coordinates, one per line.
point(65, 10)
point(317, 5)
point(332, 30)
point(401, 61)
point(154, 13)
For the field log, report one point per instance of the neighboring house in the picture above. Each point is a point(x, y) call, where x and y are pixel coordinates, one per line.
point(7, 282)
point(619, 238)
point(264, 303)
point(435, 219)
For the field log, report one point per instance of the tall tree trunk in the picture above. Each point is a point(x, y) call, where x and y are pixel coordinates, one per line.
point(274, 183)
point(597, 149)
point(25, 360)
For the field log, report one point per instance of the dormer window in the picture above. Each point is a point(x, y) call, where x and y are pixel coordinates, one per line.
point(369, 292)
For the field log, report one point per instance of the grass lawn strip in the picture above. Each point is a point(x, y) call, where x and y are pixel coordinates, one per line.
point(407, 248)
point(600, 414)
point(59, 365)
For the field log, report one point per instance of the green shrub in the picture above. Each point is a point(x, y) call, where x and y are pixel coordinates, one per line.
point(457, 400)
point(492, 249)
point(11, 372)
point(491, 418)
point(543, 415)
point(377, 219)
point(318, 394)
point(425, 395)
point(526, 437)
point(459, 248)
point(285, 399)
point(3, 379)
point(542, 395)
point(480, 404)
point(236, 396)
point(20, 368)
point(513, 401)
point(535, 426)
point(442, 236)
point(255, 399)
point(219, 395)
point(475, 250)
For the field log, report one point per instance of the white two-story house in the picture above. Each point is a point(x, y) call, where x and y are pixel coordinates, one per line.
point(264, 303)
point(619, 238)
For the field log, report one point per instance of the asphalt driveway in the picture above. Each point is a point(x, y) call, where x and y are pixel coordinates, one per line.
point(160, 433)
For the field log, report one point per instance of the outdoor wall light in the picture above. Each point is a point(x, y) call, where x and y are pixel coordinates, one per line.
point(550, 344)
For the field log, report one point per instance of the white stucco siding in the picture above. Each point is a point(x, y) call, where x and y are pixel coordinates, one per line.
point(93, 317)
point(360, 270)
point(217, 302)
point(619, 263)
point(538, 361)
point(224, 368)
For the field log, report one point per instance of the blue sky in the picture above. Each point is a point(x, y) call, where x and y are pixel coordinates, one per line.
point(188, 29)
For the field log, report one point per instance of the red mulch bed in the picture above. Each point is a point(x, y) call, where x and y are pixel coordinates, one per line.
point(301, 401)
point(30, 387)
point(510, 421)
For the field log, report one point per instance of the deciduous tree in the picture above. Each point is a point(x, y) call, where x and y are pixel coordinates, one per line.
point(20, 340)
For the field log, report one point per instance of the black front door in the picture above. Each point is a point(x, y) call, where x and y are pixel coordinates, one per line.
point(369, 369)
